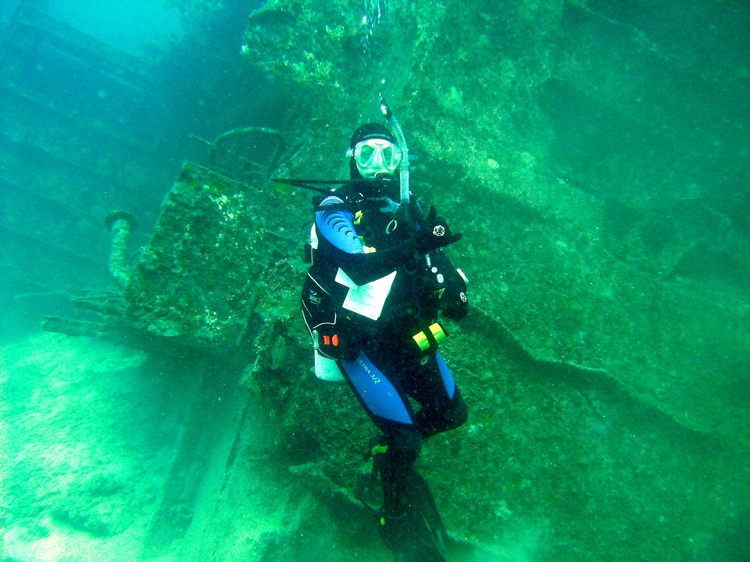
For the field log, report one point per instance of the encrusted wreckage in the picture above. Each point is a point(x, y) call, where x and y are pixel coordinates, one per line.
point(600, 366)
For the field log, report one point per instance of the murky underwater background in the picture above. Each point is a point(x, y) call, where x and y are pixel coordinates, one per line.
point(593, 153)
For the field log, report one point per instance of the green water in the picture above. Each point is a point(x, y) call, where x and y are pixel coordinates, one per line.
point(594, 155)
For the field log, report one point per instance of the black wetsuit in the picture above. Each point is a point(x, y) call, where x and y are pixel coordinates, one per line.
point(380, 358)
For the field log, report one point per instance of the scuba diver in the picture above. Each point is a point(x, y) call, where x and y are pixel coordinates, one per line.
point(378, 281)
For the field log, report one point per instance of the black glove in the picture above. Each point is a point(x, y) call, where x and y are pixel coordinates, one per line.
point(434, 233)
point(454, 303)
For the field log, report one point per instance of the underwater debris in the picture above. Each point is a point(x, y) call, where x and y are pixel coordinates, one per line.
point(248, 154)
point(202, 279)
point(121, 224)
point(212, 273)
point(109, 306)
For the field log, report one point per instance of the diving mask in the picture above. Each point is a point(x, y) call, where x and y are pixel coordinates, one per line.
point(376, 156)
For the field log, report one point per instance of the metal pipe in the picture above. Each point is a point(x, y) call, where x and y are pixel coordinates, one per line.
point(121, 224)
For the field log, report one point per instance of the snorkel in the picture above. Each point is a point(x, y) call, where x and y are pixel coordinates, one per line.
point(399, 134)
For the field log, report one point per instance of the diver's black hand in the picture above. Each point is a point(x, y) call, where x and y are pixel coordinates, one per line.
point(434, 233)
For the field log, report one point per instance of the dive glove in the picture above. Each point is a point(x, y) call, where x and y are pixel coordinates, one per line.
point(434, 233)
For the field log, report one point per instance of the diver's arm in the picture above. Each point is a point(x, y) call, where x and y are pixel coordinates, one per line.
point(336, 225)
point(453, 300)
point(363, 268)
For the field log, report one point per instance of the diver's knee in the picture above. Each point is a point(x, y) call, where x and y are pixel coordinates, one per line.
point(405, 442)
point(458, 413)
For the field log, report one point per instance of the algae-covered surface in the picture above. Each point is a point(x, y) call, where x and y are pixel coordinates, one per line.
point(607, 250)
point(594, 156)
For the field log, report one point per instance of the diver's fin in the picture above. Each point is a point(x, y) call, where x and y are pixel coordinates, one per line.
point(420, 499)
